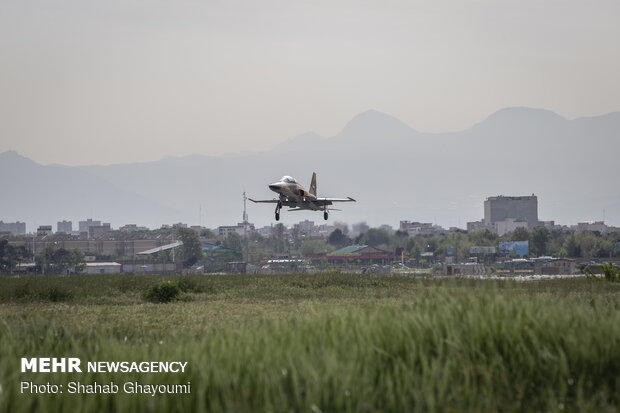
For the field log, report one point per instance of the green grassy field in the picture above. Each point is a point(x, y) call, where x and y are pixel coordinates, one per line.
point(325, 342)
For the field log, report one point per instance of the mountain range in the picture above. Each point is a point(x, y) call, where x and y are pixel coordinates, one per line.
point(395, 173)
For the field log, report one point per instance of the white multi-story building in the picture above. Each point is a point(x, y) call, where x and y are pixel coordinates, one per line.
point(64, 227)
point(242, 228)
point(85, 225)
point(15, 228)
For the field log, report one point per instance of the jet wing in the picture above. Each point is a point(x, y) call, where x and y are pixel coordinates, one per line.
point(265, 201)
point(330, 200)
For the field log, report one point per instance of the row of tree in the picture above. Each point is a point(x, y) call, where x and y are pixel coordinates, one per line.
point(542, 242)
point(11, 256)
point(49, 260)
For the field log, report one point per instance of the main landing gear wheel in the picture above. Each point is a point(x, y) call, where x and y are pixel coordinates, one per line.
point(325, 215)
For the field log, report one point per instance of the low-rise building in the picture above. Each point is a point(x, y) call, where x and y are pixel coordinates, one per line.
point(103, 268)
point(132, 228)
point(469, 268)
point(413, 229)
point(594, 226)
point(355, 254)
point(242, 228)
point(44, 230)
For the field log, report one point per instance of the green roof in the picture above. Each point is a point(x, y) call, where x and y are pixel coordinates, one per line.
point(351, 249)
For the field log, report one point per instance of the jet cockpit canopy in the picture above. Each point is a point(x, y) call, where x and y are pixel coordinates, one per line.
point(288, 179)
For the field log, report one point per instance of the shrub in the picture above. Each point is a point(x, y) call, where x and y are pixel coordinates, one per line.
point(162, 293)
point(188, 284)
point(609, 272)
point(55, 294)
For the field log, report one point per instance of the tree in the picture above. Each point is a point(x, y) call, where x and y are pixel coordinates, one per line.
point(540, 237)
point(207, 233)
point(45, 259)
point(337, 238)
point(255, 236)
point(234, 242)
point(296, 236)
point(191, 250)
point(277, 239)
point(65, 261)
point(572, 248)
point(10, 255)
point(60, 261)
point(313, 246)
point(520, 234)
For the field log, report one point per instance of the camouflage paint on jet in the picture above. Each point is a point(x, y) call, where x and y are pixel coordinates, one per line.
point(293, 195)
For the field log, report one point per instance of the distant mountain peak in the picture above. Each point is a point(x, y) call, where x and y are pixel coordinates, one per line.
point(305, 142)
point(14, 157)
point(375, 125)
point(10, 153)
point(524, 114)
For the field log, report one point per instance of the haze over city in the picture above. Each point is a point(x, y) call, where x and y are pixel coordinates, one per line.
point(86, 82)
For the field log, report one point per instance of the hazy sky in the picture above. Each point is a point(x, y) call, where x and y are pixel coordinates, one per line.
point(120, 81)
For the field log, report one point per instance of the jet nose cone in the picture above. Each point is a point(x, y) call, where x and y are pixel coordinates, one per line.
point(274, 187)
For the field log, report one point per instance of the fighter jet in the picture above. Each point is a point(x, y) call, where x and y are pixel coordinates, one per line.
point(293, 195)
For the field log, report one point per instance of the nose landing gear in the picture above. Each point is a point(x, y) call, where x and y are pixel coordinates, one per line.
point(325, 215)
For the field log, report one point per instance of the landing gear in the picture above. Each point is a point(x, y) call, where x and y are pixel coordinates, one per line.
point(278, 208)
point(325, 215)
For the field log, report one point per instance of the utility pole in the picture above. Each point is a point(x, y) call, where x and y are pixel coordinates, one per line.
point(245, 229)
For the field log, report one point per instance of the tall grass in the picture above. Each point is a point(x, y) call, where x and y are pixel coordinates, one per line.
point(425, 346)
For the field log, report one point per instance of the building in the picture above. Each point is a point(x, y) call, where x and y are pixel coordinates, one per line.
point(355, 254)
point(85, 225)
point(508, 225)
point(306, 227)
point(265, 231)
point(64, 227)
point(469, 268)
point(504, 214)
point(120, 247)
point(15, 228)
point(598, 226)
point(97, 231)
point(242, 228)
point(413, 229)
point(44, 230)
point(476, 225)
point(511, 208)
point(132, 228)
point(93, 268)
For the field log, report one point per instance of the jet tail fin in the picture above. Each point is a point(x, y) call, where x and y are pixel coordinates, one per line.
point(313, 184)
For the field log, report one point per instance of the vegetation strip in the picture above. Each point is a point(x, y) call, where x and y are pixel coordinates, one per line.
point(332, 342)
